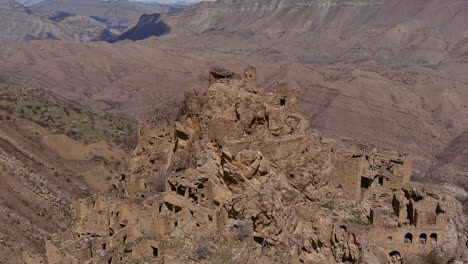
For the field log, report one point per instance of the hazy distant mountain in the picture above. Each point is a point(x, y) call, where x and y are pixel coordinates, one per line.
point(178, 2)
point(17, 24)
point(10, 5)
point(28, 2)
point(152, 2)
point(116, 14)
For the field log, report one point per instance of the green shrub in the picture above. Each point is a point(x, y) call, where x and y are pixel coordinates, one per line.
point(356, 218)
point(328, 205)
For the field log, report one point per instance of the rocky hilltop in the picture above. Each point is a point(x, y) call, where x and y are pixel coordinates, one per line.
point(239, 177)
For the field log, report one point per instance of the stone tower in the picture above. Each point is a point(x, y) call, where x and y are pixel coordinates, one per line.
point(250, 75)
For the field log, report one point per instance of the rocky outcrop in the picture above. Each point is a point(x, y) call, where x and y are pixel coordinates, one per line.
point(147, 26)
point(238, 177)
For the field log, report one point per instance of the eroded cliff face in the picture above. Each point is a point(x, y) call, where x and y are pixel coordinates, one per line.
point(239, 178)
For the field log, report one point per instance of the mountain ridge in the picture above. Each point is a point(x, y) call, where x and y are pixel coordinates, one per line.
point(11, 4)
point(388, 31)
point(19, 24)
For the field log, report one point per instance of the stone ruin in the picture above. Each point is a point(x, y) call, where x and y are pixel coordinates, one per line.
point(363, 169)
point(240, 178)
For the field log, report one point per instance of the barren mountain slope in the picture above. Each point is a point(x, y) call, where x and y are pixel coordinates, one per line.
point(390, 31)
point(42, 170)
point(453, 160)
point(18, 24)
point(36, 190)
point(116, 14)
point(119, 78)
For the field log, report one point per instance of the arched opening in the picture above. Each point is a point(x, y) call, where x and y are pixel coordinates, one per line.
point(408, 238)
point(395, 257)
point(433, 238)
point(422, 239)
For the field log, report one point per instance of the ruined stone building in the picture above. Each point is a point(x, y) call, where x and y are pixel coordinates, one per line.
point(363, 170)
point(238, 177)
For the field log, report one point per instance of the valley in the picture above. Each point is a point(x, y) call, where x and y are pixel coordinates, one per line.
point(375, 79)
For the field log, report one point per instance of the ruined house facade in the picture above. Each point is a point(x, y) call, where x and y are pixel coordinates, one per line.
point(412, 226)
point(239, 178)
point(404, 222)
point(363, 169)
